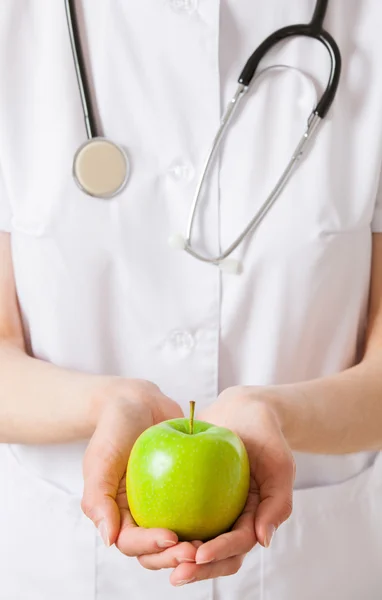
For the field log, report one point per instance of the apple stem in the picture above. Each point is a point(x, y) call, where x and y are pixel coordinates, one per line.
point(192, 412)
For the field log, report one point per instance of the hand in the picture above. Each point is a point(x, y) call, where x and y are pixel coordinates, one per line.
point(270, 497)
point(128, 407)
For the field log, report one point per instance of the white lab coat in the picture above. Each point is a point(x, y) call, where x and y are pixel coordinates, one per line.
point(101, 291)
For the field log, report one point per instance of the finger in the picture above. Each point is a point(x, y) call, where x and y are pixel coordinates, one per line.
point(105, 464)
point(276, 499)
point(273, 511)
point(136, 541)
point(189, 573)
point(183, 552)
point(239, 541)
point(99, 505)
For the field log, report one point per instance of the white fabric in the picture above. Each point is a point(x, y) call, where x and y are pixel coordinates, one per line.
point(101, 290)
point(5, 210)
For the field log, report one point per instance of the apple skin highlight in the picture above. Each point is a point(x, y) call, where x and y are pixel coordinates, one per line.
point(195, 484)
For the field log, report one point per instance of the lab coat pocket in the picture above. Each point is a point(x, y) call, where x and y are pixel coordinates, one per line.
point(47, 546)
point(36, 213)
point(332, 545)
point(41, 208)
point(36, 226)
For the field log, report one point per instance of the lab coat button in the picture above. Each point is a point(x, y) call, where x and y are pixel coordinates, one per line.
point(182, 172)
point(182, 340)
point(187, 6)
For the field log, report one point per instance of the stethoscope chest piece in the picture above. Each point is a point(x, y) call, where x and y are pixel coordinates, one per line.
point(101, 168)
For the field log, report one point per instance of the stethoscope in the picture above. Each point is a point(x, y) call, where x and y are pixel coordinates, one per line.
point(101, 167)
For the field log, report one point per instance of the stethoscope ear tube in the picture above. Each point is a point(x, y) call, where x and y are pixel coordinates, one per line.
point(315, 31)
point(224, 259)
point(335, 73)
point(285, 33)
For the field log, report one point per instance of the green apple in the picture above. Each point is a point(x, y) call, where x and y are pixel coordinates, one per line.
point(188, 476)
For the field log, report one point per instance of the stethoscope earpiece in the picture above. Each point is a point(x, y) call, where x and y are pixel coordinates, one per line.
point(101, 168)
point(231, 266)
point(177, 241)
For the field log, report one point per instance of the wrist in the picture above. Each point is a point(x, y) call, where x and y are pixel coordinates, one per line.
point(100, 396)
point(129, 393)
point(282, 407)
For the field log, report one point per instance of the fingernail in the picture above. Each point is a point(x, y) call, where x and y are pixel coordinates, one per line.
point(185, 560)
point(166, 543)
point(185, 581)
point(271, 530)
point(204, 562)
point(102, 529)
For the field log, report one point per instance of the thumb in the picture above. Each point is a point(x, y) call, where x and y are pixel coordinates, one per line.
point(105, 464)
point(276, 496)
point(98, 503)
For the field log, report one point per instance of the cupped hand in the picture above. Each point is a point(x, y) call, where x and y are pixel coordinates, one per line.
point(269, 503)
point(128, 408)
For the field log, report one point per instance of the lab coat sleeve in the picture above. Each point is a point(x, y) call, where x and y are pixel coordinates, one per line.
point(5, 210)
point(376, 224)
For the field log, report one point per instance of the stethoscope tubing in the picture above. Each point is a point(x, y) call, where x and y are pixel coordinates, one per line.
point(80, 68)
point(312, 30)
